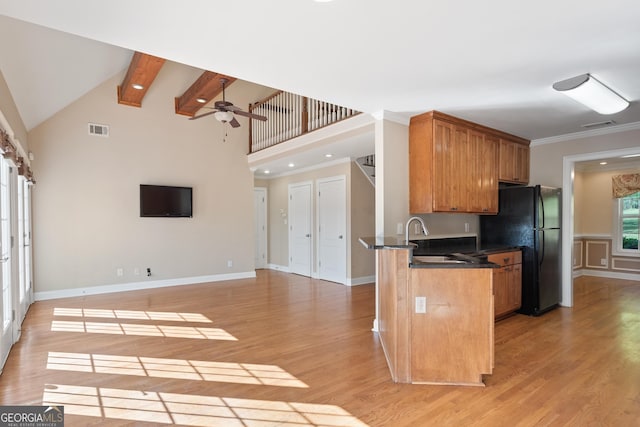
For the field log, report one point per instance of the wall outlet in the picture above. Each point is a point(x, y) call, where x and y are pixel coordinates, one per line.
point(136, 271)
point(603, 261)
point(399, 228)
point(119, 272)
point(148, 271)
point(421, 305)
point(229, 263)
point(466, 227)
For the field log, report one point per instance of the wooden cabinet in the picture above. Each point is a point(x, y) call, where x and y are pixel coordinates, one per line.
point(507, 282)
point(514, 162)
point(450, 157)
point(450, 340)
point(454, 165)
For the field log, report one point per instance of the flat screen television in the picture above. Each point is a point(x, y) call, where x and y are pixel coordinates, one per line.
point(165, 201)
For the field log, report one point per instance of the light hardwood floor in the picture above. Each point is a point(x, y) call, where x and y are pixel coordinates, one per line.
point(291, 351)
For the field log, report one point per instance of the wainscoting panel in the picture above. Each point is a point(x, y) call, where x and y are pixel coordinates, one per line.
point(577, 254)
point(597, 254)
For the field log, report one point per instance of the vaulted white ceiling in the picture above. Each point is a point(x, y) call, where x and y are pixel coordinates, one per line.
point(492, 62)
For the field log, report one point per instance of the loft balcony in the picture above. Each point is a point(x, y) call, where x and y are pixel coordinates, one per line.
point(290, 116)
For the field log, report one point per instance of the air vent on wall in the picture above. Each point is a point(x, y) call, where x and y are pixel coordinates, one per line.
point(599, 124)
point(98, 130)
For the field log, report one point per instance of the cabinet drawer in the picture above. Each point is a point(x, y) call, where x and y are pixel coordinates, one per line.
point(506, 258)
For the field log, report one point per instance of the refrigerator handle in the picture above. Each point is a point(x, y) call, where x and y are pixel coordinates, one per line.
point(541, 202)
point(542, 245)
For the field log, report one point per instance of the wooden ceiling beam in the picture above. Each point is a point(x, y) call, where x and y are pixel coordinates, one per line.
point(143, 69)
point(206, 88)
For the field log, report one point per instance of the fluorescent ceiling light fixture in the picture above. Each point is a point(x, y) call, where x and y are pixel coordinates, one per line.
point(590, 92)
point(137, 86)
point(223, 116)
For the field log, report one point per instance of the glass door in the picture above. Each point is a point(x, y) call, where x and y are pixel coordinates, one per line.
point(24, 245)
point(8, 316)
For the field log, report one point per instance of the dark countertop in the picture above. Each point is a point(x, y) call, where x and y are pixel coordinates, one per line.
point(386, 243)
point(457, 249)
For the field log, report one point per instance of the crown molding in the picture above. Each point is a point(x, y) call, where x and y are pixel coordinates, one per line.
point(586, 134)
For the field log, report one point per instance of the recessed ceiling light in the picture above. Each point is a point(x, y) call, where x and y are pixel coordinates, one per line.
point(137, 86)
point(328, 155)
point(603, 163)
point(267, 171)
point(201, 100)
point(291, 165)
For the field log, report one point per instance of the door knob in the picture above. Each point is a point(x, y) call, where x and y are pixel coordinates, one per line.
point(340, 236)
point(307, 235)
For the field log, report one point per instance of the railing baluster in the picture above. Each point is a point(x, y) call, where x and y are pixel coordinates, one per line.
point(290, 115)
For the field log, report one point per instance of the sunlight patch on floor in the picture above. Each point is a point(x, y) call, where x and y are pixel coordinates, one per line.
point(192, 410)
point(141, 330)
point(131, 314)
point(240, 373)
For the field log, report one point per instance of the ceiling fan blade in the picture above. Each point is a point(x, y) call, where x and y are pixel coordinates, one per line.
point(234, 123)
point(203, 115)
point(250, 115)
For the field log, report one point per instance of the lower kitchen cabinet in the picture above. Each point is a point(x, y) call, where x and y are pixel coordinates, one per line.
point(507, 282)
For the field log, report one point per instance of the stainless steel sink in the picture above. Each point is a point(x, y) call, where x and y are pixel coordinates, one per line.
point(437, 259)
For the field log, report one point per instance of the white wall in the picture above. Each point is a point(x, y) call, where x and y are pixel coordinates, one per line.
point(86, 201)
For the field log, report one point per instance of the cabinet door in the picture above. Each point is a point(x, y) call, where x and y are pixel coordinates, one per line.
point(451, 151)
point(507, 169)
point(515, 287)
point(501, 303)
point(514, 162)
point(483, 179)
point(522, 163)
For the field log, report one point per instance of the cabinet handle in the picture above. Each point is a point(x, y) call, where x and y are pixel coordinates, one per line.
point(485, 210)
point(454, 209)
point(506, 260)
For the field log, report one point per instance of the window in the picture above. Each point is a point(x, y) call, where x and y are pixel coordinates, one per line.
point(628, 224)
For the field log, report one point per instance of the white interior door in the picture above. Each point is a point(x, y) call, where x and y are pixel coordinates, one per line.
point(260, 226)
point(332, 224)
point(300, 228)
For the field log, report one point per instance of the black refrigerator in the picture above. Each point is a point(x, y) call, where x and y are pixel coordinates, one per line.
point(530, 217)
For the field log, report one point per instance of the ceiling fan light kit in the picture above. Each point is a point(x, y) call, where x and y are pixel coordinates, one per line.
point(223, 116)
point(592, 93)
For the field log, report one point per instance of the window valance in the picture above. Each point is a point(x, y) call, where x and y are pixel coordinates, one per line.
point(8, 151)
point(625, 185)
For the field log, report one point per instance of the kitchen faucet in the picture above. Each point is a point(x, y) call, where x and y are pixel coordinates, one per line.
point(424, 227)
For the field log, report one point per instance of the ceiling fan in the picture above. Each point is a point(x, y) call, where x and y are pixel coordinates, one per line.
point(224, 111)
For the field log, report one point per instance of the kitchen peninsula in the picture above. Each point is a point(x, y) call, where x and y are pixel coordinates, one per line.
point(436, 316)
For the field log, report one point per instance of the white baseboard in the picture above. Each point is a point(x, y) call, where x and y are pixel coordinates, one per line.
point(355, 281)
point(283, 268)
point(608, 274)
point(349, 282)
point(134, 286)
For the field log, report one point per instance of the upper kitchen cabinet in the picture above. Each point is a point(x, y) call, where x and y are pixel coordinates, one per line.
point(454, 164)
point(514, 161)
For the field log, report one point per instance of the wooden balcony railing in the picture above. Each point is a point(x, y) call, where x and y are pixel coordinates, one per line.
point(288, 116)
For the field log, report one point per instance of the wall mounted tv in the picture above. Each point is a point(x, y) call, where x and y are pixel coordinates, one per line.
point(165, 201)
